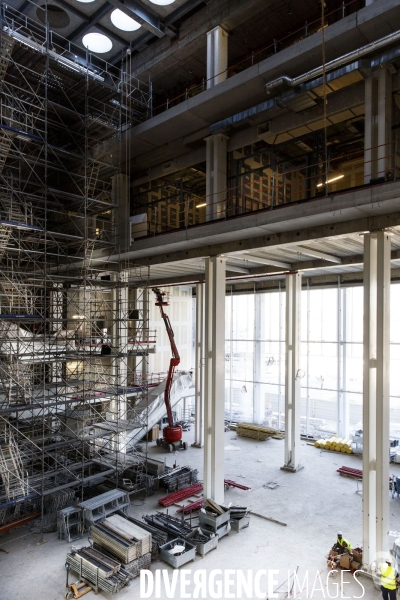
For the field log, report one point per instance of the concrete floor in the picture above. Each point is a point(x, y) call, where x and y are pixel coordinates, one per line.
point(315, 503)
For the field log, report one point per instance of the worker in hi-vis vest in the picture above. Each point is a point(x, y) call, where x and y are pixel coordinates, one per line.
point(389, 578)
point(342, 544)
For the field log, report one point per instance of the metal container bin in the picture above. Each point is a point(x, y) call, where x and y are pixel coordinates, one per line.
point(203, 548)
point(238, 524)
point(214, 521)
point(177, 560)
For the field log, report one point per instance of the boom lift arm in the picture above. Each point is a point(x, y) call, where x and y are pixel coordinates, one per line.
point(172, 435)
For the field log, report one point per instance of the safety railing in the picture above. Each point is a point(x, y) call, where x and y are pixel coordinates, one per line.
point(256, 56)
point(273, 185)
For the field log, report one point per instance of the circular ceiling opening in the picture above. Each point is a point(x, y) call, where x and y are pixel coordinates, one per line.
point(97, 42)
point(56, 16)
point(162, 2)
point(123, 22)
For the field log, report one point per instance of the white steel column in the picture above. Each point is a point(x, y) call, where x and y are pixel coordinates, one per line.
point(216, 176)
point(199, 374)
point(292, 373)
point(376, 396)
point(217, 56)
point(343, 405)
point(214, 377)
point(258, 366)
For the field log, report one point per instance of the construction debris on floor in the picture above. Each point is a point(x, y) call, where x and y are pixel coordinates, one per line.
point(349, 561)
point(120, 546)
point(335, 444)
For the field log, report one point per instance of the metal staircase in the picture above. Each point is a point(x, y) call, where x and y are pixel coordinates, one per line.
point(16, 380)
point(11, 469)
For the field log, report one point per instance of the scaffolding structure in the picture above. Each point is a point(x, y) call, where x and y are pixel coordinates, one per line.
point(74, 333)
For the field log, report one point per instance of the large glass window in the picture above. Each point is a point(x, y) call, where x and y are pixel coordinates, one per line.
point(331, 359)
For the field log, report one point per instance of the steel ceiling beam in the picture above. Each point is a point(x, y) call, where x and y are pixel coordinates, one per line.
point(268, 240)
point(354, 260)
point(85, 18)
point(142, 14)
point(266, 261)
point(316, 254)
point(94, 19)
point(181, 11)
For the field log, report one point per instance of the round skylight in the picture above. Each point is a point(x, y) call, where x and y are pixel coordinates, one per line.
point(97, 42)
point(162, 2)
point(123, 22)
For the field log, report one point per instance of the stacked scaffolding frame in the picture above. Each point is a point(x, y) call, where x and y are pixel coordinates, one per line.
point(74, 334)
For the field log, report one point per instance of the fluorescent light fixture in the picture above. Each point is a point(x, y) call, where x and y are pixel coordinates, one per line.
point(123, 22)
point(85, 1)
point(81, 317)
point(162, 2)
point(97, 42)
point(201, 205)
point(331, 180)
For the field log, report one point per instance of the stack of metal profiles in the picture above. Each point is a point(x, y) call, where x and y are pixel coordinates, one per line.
point(178, 479)
point(158, 537)
point(100, 570)
point(99, 507)
point(124, 539)
point(134, 567)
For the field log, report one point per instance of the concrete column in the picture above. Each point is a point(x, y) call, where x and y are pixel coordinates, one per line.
point(378, 121)
point(292, 379)
point(216, 176)
point(120, 197)
point(217, 56)
point(199, 374)
point(384, 122)
point(214, 378)
point(376, 396)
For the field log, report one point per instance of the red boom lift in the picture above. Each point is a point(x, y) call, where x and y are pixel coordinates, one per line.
point(172, 435)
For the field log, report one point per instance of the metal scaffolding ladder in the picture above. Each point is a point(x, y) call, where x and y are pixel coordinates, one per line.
point(11, 469)
point(6, 48)
point(91, 181)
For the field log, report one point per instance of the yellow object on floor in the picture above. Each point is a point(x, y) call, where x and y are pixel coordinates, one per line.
point(335, 444)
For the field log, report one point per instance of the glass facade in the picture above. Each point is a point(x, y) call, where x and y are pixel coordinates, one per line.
point(331, 361)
